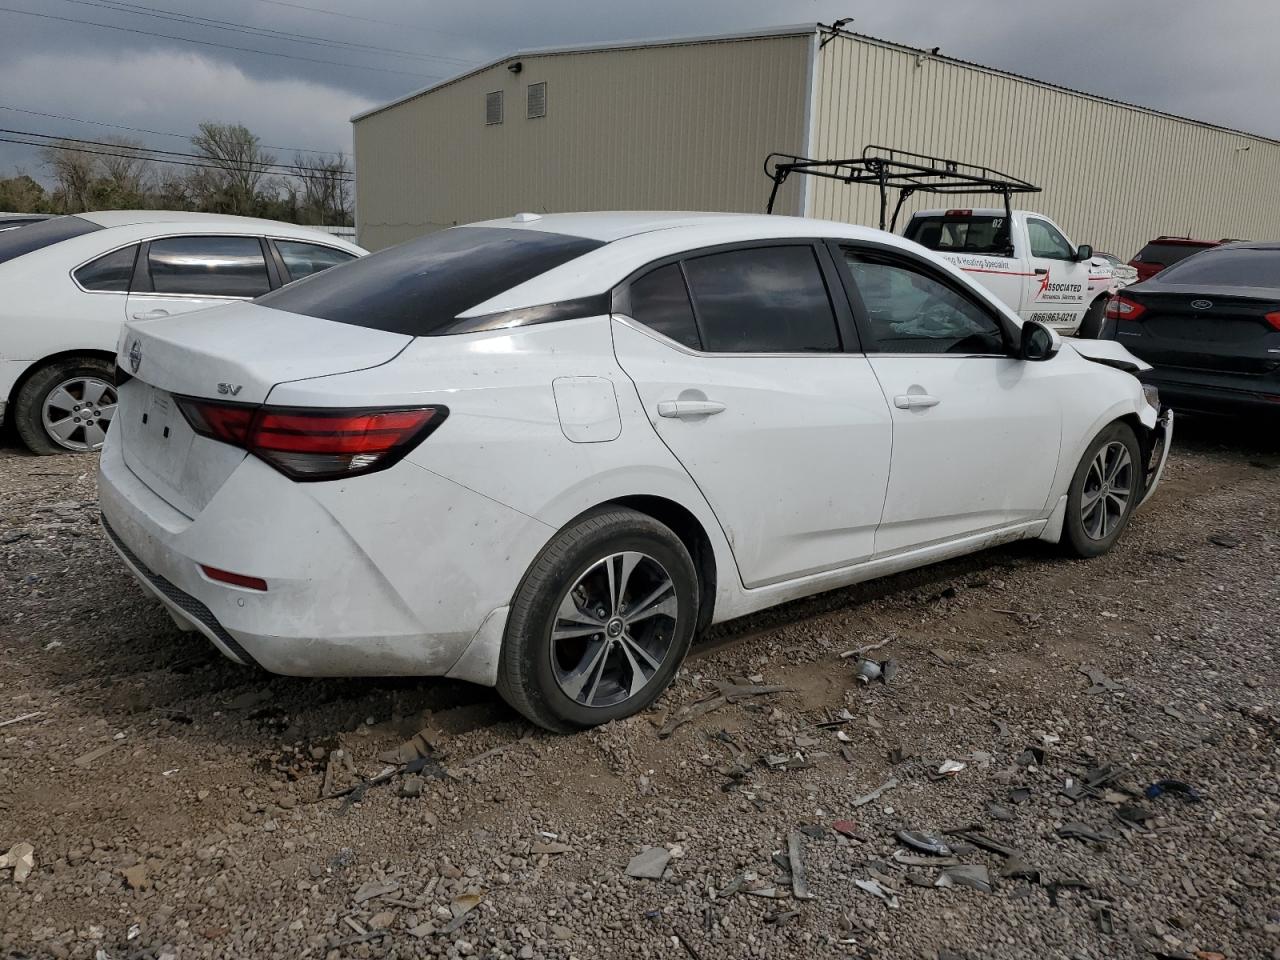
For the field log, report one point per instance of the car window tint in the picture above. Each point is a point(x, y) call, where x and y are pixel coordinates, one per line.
point(208, 266)
point(1046, 241)
point(37, 236)
point(762, 300)
point(1226, 267)
point(660, 300)
point(1169, 253)
point(909, 311)
point(109, 273)
point(419, 287)
point(974, 234)
point(303, 259)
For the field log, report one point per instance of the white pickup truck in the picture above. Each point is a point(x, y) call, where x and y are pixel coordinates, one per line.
point(1026, 260)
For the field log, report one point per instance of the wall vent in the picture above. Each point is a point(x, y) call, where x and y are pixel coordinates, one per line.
point(493, 107)
point(537, 100)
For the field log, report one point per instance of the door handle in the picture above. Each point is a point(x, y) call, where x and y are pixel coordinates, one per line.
point(689, 408)
point(151, 314)
point(1041, 271)
point(914, 401)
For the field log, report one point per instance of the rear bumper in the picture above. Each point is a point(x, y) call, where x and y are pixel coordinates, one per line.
point(390, 577)
point(1214, 392)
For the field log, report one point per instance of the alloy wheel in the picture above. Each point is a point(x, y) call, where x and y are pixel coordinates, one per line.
point(1108, 487)
point(77, 413)
point(613, 629)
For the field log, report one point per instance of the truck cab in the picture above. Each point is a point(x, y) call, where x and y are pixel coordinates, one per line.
point(1024, 259)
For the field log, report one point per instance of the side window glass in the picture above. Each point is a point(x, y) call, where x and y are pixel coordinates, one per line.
point(208, 266)
point(660, 301)
point(1047, 242)
point(110, 273)
point(912, 312)
point(762, 300)
point(303, 259)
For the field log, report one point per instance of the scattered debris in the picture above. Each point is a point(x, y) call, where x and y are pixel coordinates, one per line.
point(1057, 886)
point(23, 718)
point(889, 896)
point(136, 877)
point(1184, 790)
point(423, 743)
point(1082, 831)
point(847, 828)
point(1016, 868)
point(950, 768)
point(550, 848)
point(736, 692)
point(649, 864)
point(1102, 917)
point(1019, 794)
point(925, 843)
point(799, 885)
point(876, 793)
point(1031, 756)
point(862, 651)
point(22, 858)
point(412, 786)
point(1101, 683)
point(1225, 540)
point(869, 671)
point(975, 876)
point(373, 890)
point(86, 760)
point(339, 769)
point(461, 907)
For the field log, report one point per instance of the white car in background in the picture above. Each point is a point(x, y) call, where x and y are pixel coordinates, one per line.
point(68, 283)
point(1122, 274)
point(542, 453)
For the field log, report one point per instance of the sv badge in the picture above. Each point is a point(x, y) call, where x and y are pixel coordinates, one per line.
point(230, 389)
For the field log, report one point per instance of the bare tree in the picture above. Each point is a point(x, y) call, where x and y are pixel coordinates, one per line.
point(324, 195)
point(234, 184)
point(73, 174)
point(125, 178)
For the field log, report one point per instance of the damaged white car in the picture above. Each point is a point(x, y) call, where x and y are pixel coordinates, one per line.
point(543, 453)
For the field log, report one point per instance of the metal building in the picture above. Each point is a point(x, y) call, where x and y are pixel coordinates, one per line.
point(686, 125)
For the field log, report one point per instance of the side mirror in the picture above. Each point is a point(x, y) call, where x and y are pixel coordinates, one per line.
point(1039, 342)
point(1084, 252)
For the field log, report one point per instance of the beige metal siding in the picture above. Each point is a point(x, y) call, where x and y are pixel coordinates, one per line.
point(1114, 176)
point(678, 127)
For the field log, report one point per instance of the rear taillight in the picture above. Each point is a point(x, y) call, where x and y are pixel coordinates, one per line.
point(315, 444)
point(1273, 319)
point(1121, 307)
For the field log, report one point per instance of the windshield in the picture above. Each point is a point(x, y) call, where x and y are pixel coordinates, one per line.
point(419, 287)
point(37, 236)
point(1227, 267)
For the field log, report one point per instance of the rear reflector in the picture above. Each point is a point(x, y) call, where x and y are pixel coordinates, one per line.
point(1121, 307)
point(315, 444)
point(235, 579)
point(1273, 319)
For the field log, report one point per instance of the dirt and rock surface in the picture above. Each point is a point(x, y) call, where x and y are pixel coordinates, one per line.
point(173, 801)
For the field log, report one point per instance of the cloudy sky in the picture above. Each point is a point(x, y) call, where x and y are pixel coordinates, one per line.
point(315, 62)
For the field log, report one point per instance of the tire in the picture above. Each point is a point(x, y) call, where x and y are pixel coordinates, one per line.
point(38, 397)
point(583, 678)
point(1091, 325)
point(1086, 532)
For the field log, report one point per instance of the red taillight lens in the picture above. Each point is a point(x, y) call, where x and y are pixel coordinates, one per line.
point(1121, 307)
point(315, 444)
point(1273, 319)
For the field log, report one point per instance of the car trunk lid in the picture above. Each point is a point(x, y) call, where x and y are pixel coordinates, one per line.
point(236, 354)
point(1220, 329)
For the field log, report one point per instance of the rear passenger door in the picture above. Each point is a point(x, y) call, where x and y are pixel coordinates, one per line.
point(751, 373)
point(180, 274)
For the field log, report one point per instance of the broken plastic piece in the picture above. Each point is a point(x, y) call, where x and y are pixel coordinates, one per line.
point(890, 897)
point(924, 843)
point(1082, 831)
point(974, 876)
point(875, 794)
point(1174, 786)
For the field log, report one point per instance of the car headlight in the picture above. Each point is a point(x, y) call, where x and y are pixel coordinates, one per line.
point(1152, 395)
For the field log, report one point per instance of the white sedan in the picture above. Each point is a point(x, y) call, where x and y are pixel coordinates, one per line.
point(68, 283)
point(543, 453)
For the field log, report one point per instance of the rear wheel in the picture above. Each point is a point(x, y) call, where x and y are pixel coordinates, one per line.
point(1104, 492)
point(67, 406)
point(600, 623)
point(1091, 325)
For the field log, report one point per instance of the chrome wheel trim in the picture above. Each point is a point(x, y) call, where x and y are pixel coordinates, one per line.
point(613, 630)
point(1108, 488)
point(77, 413)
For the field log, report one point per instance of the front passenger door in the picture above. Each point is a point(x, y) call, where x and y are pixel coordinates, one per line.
point(976, 432)
point(180, 274)
point(1060, 296)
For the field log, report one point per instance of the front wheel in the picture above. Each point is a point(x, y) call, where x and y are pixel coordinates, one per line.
point(600, 623)
point(1104, 491)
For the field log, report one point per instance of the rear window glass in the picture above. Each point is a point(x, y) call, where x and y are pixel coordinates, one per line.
point(14, 243)
point(1167, 253)
point(1227, 267)
point(110, 273)
point(419, 287)
point(960, 235)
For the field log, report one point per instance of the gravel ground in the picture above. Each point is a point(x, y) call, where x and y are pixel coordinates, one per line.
point(174, 804)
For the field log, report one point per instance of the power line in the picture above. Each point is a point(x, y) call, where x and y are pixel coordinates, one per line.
point(178, 163)
point(158, 133)
point(140, 10)
point(262, 166)
point(352, 16)
point(211, 43)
